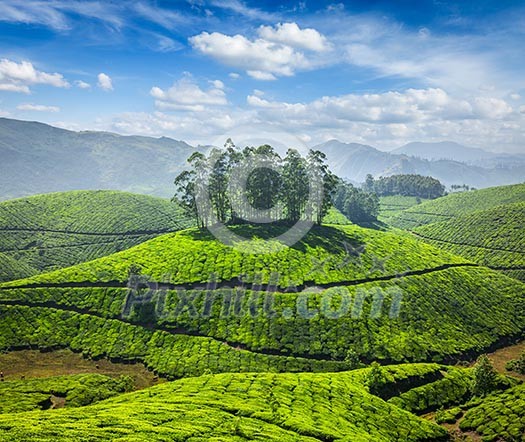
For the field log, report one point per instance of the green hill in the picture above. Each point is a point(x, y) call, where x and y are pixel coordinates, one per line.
point(71, 391)
point(457, 204)
point(239, 407)
point(338, 296)
point(62, 229)
point(11, 269)
point(390, 206)
point(500, 416)
point(494, 238)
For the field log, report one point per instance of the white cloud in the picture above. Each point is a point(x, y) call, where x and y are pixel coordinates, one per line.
point(164, 17)
point(241, 8)
point(515, 96)
point(234, 75)
point(104, 82)
point(261, 75)
point(37, 108)
point(4, 113)
point(275, 53)
point(217, 84)
point(409, 106)
point(18, 77)
point(185, 94)
point(53, 13)
point(82, 84)
point(291, 35)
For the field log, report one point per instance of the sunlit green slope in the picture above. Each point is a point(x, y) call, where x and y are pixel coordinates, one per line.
point(458, 204)
point(61, 229)
point(239, 407)
point(493, 237)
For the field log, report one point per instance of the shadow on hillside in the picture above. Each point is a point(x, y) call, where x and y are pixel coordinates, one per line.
point(332, 239)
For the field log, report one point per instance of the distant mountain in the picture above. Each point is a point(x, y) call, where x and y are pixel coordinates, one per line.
point(38, 158)
point(354, 161)
point(449, 150)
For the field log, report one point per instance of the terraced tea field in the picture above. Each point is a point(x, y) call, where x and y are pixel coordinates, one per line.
point(57, 230)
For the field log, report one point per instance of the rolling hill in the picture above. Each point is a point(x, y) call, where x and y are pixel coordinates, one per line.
point(10, 268)
point(380, 285)
point(457, 204)
point(494, 238)
point(57, 230)
point(38, 158)
point(449, 150)
point(238, 407)
point(354, 161)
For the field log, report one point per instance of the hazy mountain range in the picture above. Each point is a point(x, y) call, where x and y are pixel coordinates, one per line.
point(474, 167)
point(38, 158)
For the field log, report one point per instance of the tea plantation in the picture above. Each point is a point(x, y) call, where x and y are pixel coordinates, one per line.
point(72, 391)
point(267, 346)
point(237, 407)
point(458, 204)
point(61, 229)
point(493, 238)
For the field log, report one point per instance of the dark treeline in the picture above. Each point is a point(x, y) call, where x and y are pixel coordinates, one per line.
point(356, 204)
point(233, 185)
point(406, 185)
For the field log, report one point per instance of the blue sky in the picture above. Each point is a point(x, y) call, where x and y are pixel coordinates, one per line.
point(376, 72)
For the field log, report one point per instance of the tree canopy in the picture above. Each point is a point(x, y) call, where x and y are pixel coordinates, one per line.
point(406, 185)
point(233, 185)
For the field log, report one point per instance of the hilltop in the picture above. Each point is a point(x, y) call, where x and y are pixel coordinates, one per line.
point(457, 204)
point(494, 238)
point(57, 230)
point(370, 277)
point(38, 158)
point(239, 407)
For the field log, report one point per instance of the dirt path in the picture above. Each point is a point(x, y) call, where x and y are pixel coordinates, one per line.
point(36, 364)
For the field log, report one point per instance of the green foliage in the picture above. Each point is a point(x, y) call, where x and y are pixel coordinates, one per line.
point(489, 305)
point(499, 416)
point(517, 365)
point(234, 407)
point(212, 189)
point(56, 230)
point(452, 387)
point(192, 256)
point(334, 216)
point(448, 416)
point(458, 204)
point(75, 390)
point(12, 269)
point(405, 185)
point(484, 377)
point(375, 379)
point(390, 206)
point(174, 355)
point(355, 204)
point(493, 237)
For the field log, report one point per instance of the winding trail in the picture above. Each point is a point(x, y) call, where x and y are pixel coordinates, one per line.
point(235, 283)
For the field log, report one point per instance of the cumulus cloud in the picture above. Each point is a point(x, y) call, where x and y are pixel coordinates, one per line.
point(410, 106)
point(291, 35)
point(277, 52)
point(82, 84)
point(37, 108)
point(18, 77)
point(104, 82)
point(185, 94)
